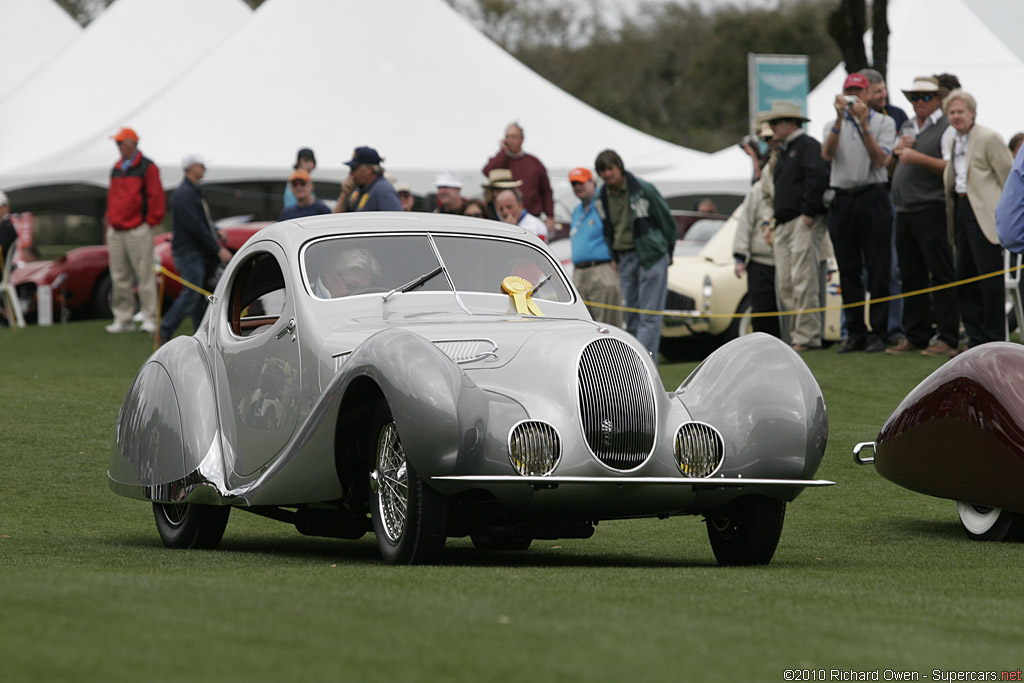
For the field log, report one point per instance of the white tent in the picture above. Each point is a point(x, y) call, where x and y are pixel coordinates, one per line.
point(125, 58)
point(410, 77)
point(926, 37)
point(35, 31)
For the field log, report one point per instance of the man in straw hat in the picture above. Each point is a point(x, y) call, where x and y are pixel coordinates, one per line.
point(923, 250)
point(800, 178)
point(498, 179)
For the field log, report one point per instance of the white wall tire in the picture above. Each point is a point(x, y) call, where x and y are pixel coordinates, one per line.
point(983, 523)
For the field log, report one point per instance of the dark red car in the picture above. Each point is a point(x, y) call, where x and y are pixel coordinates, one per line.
point(960, 435)
point(80, 279)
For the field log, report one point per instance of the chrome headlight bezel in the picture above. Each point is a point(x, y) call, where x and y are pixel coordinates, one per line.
point(699, 449)
point(534, 448)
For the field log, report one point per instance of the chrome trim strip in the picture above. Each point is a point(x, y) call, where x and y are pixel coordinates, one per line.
point(618, 481)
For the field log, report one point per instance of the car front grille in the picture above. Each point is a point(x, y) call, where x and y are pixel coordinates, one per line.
point(674, 301)
point(616, 402)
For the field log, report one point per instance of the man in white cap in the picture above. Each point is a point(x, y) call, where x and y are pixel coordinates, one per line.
point(194, 247)
point(449, 193)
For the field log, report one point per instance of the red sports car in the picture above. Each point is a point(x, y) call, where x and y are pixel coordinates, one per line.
point(80, 279)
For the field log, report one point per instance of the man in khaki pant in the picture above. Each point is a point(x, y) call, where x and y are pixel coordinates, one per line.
point(135, 205)
point(800, 177)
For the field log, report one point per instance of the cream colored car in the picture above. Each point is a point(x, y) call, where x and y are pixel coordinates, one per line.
point(705, 288)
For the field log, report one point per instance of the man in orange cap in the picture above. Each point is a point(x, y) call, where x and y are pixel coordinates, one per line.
point(593, 272)
point(135, 206)
point(306, 203)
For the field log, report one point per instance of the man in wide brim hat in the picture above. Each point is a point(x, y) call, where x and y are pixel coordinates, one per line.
point(782, 109)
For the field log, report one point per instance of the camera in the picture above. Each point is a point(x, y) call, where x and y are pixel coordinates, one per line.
point(750, 141)
point(851, 100)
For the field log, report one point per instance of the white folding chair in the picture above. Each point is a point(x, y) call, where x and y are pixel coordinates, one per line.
point(8, 295)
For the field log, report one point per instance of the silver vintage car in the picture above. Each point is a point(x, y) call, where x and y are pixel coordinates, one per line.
point(425, 376)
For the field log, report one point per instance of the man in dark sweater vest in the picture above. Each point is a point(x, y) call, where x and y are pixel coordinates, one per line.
point(930, 321)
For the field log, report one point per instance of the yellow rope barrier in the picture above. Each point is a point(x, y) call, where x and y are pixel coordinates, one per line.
point(698, 314)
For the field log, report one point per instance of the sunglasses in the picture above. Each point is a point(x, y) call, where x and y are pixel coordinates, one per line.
point(298, 183)
point(921, 97)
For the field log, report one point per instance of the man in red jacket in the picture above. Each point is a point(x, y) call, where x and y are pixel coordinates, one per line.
point(135, 206)
point(536, 187)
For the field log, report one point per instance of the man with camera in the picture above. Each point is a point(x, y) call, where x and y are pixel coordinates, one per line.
point(859, 145)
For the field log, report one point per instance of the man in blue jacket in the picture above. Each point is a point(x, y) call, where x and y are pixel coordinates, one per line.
point(641, 236)
point(194, 247)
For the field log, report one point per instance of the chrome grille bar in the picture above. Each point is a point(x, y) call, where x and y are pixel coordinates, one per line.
point(616, 404)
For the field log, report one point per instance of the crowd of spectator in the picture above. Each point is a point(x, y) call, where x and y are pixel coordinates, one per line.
point(904, 203)
point(921, 189)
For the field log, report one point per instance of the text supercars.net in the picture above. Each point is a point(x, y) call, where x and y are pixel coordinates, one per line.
point(897, 675)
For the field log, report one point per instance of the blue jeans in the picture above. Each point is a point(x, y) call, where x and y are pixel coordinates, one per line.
point(192, 268)
point(644, 288)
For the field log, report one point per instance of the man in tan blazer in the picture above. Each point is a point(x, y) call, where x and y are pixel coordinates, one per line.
point(977, 163)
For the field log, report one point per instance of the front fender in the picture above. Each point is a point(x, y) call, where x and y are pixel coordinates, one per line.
point(167, 425)
point(436, 406)
point(766, 403)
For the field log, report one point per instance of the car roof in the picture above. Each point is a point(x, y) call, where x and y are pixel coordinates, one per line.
point(294, 233)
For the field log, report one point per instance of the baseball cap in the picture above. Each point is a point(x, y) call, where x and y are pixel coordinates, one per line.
point(448, 179)
point(190, 159)
point(580, 175)
point(364, 155)
point(125, 133)
point(4, 201)
point(299, 174)
point(305, 153)
point(856, 81)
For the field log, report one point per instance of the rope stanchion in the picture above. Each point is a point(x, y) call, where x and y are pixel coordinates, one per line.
point(822, 309)
point(164, 273)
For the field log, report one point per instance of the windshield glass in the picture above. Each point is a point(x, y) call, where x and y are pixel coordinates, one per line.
point(480, 265)
point(350, 266)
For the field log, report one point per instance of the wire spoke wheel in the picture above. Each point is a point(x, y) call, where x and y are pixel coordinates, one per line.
point(393, 482)
point(409, 518)
point(187, 525)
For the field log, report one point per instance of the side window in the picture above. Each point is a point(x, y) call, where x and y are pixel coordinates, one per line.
point(257, 295)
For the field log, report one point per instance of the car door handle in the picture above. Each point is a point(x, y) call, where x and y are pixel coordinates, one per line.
point(287, 329)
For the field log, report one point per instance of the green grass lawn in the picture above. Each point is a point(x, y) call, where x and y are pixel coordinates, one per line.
point(868, 576)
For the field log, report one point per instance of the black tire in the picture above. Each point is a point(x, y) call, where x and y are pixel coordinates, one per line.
point(101, 301)
point(983, 523)
point(409, 518)
point(747, 530)
point(186, 525)
point(499, 542)
point(739, 325)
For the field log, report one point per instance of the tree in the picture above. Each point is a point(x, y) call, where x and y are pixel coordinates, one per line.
point(847, 25)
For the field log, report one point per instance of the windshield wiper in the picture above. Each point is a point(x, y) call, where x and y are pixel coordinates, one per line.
point(541, 284)
point(414, 283)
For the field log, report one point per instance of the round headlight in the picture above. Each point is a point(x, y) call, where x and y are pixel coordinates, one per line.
point(534, 448)
point(699, 449)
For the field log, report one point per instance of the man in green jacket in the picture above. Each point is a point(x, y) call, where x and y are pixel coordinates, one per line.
point(641, 235)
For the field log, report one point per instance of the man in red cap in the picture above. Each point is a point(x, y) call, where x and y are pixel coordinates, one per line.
point(593, 272)
point(135, 206)
point(859, 144)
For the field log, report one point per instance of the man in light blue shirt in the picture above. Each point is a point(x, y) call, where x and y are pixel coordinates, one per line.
point(1010, 210)
point(594, 272)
